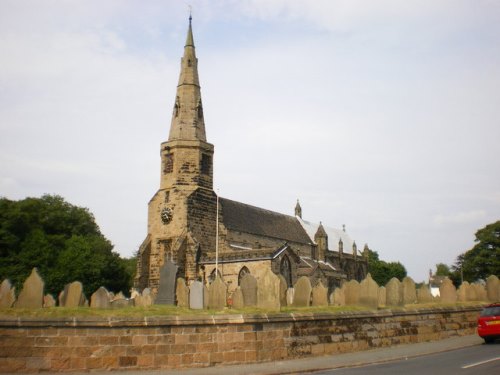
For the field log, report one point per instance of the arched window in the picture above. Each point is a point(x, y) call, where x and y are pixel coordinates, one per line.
point(286, 270)
point(211, 278)
point(244, 270)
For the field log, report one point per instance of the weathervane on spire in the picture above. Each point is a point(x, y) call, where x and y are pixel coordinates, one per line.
point(190, 13)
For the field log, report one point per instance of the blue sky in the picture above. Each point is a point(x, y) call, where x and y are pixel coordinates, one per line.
point(381, 115)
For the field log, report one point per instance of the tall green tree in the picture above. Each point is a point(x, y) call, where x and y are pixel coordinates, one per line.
point(483, 259)
point(63, 241)
point(382, 271)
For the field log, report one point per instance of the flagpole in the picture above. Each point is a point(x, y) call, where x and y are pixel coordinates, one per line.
point(217, 238)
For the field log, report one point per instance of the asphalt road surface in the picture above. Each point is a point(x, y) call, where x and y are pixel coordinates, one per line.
point(479, 359)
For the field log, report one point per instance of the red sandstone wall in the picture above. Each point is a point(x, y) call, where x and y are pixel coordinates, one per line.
point(173, 342)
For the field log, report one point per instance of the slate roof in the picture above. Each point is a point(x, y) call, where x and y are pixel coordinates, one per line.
point(334, 235)
point(244, 218)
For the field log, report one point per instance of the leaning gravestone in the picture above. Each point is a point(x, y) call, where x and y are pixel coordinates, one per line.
point(100, 299)
point(217, 294)
point(166, 288)
point(182, 293)
point(493, 288)
point(237, 297)
point(248, 287)
point(49, 301)
point(302, 295)
point(196, 295)
point(73, 295)
point(31, 296)
point(268, 291)
point(7, 294)
point(368, 292)
point(319, 295)
point(409, 291)
point(394, 292)
point(447, 291)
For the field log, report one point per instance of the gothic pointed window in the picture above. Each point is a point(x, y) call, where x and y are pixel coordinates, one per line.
point(206, 164)
point(286, 270)
point(244, 271)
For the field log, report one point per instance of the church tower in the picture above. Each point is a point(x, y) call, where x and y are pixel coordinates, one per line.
point(181, 215)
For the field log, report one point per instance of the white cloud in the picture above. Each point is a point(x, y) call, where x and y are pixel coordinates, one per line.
point(460, 218)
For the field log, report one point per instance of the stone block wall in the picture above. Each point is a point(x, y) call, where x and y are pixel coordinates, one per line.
point(71, 344)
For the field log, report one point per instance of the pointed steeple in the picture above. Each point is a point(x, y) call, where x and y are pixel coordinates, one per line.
point(188, 122)
point(298, 210)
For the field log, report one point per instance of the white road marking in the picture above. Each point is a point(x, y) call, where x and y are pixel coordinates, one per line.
point(481, 363)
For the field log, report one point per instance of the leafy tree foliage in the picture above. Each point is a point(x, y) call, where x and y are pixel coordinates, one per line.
point(63, 241)
point(483, 259)
point(382, 271)
point(442, 269)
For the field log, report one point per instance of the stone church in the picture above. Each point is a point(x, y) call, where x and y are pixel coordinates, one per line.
point(204, 234)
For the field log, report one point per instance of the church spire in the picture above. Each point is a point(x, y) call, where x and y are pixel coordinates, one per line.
point(187, 118)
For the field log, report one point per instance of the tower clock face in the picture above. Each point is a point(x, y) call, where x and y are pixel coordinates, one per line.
point(166, 215)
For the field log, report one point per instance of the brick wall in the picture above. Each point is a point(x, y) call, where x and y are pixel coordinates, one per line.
point(69, 344)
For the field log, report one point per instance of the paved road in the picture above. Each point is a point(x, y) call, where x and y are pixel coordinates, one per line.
point(478, 359)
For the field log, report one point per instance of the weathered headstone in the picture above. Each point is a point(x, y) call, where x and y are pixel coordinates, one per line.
point(283, 288)
point(49, 301)
point(7, 294)
point(248, 287)
point(368, 292)
point(182, 293)
point(319, 295)
point(73, 295)
point(120, 295)
point(351, 292)
point(290, 293)
point(237, 297)
point(206, 296)
point(166, 288)
point(409, 291)
point(100, 299)
point(493, 288)
point(196, 295)
point(31, 296)
point(302, 295)
point(217, 294)
point(424, 294)
point(382, 296)
point(480, 292)
point(447, 291)
point(337, 298)
point(268, 291)
point(394, 293)
point(462, 292)
point(119, 303)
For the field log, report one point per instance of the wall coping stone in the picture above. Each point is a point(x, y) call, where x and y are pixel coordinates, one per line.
point(189, 320)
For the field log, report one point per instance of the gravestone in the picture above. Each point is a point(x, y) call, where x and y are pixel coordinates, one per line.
point(290, 293)
point(206, 296)
point(237, 297)
point(394, 293)
point(283, 288)
point(462, 292)
point(319, 295)
point(196, 295)
point(182, 293)
point(120, 295)
point(409, 291)
point(268, 291)
point(7, 294)
point(217, 293)
point(447, 291)
point(382, 296)
point(493, 288)
point(302, 295)
point(73, 295)
point(424, 294)
point(248, 287)
point(31, 296)
point(337, 298)
point(368, 292)
point(480, 292)
point(100, 299)
point(120, 303)
point(166, 287)
point(49, 301)
point(351, 292)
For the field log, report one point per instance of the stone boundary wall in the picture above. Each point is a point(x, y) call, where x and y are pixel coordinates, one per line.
point(78, 344)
